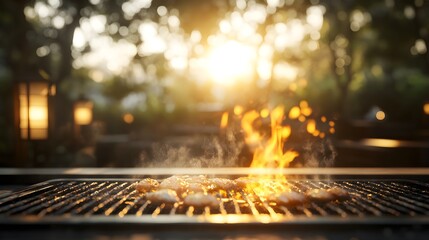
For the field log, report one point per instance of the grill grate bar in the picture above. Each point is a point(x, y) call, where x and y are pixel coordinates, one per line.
point(286, 212)
point(91, 199)
point(62, 207)
point(174, 209)
point(56, 202)
point(29, 191)
point(108, 199)
point(120, 202)
point(409, 198)
point(24, 199)
point(190, 211)
point(370, 202)
point(383, 199)
point(142, 208)
point(415, 191)
point(235, 203)
point(373, 200)
point(158, 210)
point(343, 209)
point(129, 206)
point(250, 204)
point(37, 200)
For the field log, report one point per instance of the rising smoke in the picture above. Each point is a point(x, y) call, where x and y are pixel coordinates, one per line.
point(198, 152)
point(318, 153)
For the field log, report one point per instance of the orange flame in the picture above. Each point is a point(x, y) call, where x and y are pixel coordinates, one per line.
point(268, 150)
point(224, 120)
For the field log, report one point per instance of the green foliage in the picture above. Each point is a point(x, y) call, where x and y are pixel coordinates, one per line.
point(400, 94)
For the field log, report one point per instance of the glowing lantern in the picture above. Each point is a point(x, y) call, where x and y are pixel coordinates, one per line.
point(426, 108)
point(380, 115)
point(83, 112)
point(128, 118)
point(33, 110)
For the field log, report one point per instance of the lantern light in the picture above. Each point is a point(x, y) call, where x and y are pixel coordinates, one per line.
point(83, 112)
point(33, 110)
point(426, 108)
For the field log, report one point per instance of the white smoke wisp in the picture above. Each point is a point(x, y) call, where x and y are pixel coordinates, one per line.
point(200, 152)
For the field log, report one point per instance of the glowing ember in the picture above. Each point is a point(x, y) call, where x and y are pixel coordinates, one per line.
point(294, 113)
point(224, 120)
point(238, 110)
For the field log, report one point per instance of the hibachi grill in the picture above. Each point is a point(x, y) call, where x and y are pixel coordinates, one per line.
point(117, 201)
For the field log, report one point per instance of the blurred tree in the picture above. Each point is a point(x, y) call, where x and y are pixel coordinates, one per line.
point(356, 51)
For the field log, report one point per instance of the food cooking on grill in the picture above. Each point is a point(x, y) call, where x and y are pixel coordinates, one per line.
point(147, 185)
point(163, 196)
point(196, 184)
point(176, 183)
point(196, 188)
point(243, 182)
point(201, 200)
point(289, 198)
point(320, 195)
point(196, 179)
point(339, 193)
point(194, 191)
point(223, 184)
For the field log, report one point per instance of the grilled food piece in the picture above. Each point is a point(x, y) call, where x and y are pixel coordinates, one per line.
point(242, 182)
point(217, 184)
point(196, 188)
point(196, 184)
point(147, 185)
point(163, 196)
point(289, 199)
point(201, 179)
point(339, 193)
point(201, 200)
point(176, 183)
point(320, 195)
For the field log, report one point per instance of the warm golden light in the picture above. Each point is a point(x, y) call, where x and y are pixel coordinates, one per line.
point(265, 113)
point(33, 111)
point(224, 120)
point(128, 118)
point(380, 115)
point(426, 108)
point(376, 142)
point(238, 110)
point(230, 62)
point(83, 112)
point(294, 113)
point(311, 126)
point(269, 147)
point(268, 151)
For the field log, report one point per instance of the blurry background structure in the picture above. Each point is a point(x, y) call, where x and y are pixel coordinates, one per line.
point(131, 81)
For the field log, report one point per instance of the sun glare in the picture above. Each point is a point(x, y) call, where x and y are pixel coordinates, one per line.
point(231, 62)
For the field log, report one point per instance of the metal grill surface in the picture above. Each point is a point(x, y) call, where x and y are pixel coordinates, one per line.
point(113, 200)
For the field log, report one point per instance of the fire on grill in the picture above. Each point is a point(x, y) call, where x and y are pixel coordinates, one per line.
point(268, 151)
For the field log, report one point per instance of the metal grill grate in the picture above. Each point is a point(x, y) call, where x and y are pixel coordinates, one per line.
point(113, 199)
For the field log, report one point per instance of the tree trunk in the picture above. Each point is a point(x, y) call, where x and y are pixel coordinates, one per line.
point(63, 106)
